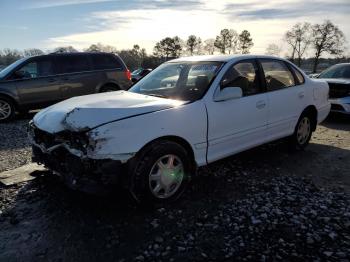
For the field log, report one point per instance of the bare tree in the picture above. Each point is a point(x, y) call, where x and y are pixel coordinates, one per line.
point(233, 42)
point(327, 38)
point(224, 41)
point(65, 49)
point(193, 44)
point(299, 38)
point(8, 56)
point(168, 47)
point(101, 48)
point(273, 49)
point(32, 52)
point(245, 42)
point(209, 46)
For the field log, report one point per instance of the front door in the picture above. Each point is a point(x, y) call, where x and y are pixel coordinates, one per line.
point(36, 83)
point(238, 124)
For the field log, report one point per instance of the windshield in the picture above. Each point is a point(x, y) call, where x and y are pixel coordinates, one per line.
point(186, 81)
point(337, 71)
point(9, 68)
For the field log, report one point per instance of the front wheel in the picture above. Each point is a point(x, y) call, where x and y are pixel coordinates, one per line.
point(302, 133)
point(161, 173)
point(7, 109)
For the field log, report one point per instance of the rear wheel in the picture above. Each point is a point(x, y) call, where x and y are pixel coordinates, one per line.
point(109, 88)
point(161, 173)
point(302, 133)
point(7, 109)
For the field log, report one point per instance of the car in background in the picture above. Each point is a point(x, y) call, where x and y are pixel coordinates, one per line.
point(187, 113)
point(139, 73)
point(39, 81)
point(338, 78)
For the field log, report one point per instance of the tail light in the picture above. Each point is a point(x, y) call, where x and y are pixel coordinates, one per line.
point(128, 74)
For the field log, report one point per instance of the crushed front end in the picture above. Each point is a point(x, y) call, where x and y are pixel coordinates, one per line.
point(66, 154)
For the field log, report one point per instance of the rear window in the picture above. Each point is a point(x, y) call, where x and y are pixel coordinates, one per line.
point(277, 75)
point(299, 76)
point(105, 62)
point(73, 63)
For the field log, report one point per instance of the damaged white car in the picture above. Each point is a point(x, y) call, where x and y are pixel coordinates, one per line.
point(187, 113)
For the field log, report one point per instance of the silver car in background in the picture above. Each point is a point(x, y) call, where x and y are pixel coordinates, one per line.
point(338, 78)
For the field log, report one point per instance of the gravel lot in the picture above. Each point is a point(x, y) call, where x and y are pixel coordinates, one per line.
point(266, 204)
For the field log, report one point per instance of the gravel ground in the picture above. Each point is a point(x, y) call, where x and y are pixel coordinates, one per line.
point(266, 204)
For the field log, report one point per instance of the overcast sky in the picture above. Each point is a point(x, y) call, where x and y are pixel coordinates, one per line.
point(48, 24)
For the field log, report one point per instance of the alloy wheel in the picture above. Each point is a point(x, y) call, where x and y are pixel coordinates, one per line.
point(304, 130)
point(166, 176)
point(5, 110)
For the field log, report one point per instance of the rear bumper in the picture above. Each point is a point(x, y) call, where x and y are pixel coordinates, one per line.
point(341, 105)
point(87, 175)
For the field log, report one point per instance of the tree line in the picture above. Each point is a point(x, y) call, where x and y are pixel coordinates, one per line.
point(302, 38)
point(319, 39)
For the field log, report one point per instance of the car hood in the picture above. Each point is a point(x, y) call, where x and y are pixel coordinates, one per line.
point(87, 112)
point(337, 80)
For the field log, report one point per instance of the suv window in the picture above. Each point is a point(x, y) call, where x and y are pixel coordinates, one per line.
point(73, 63)
point(244, 75)
point(101, 61)
point(277, 75)
point(34, 69)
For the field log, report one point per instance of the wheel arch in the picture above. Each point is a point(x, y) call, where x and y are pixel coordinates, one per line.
point(109, 83)
point(312, 111)
point(177, 139)
point(12, 99)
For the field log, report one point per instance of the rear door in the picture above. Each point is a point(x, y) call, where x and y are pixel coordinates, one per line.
point(286, 97)
point(39, 85)
point(76, 75)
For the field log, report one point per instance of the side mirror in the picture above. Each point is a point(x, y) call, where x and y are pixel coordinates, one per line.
point(228, 93)
point(20, 74)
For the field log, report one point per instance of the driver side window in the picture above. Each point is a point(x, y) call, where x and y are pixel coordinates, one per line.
point(30, 70)
point(34, 69)
point(244, 75)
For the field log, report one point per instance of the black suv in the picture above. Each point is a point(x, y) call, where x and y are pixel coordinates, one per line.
point(39, 81)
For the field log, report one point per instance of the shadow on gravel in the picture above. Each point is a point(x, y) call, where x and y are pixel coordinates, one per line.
point(47, 221)
point(338, 122)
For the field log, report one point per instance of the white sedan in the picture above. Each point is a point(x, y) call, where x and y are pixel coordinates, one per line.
point(185, 114)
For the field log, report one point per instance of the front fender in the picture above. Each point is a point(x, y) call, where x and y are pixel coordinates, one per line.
point(122, 139)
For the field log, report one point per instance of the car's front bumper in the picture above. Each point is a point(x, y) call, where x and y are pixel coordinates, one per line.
point(340, 105)
point(87, 175)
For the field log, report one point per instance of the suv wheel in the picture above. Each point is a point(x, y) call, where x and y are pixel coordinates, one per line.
point(109, 88)
point(7, 109)
point(161, 173)
point(302, 133)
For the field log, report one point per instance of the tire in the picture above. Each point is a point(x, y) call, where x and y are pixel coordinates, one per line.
point(7, 109)
point(151, 184)
point(302, 133)
point(109, 88)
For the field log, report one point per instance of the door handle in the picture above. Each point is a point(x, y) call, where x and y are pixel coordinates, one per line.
point(65, 78)
point(260, 104)
point(301, 94)
point(51, 80)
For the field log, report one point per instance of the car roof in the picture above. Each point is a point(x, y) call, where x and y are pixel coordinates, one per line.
point(221, 58)
point(71, 53)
